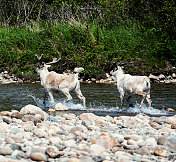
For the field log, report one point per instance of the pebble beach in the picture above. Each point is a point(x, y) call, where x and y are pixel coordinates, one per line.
point(31, 134)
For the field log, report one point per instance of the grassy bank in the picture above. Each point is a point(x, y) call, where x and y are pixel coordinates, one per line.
point(96, 48)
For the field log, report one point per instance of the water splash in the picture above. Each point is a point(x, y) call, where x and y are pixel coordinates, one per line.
point(146, 110)
point(94, 106)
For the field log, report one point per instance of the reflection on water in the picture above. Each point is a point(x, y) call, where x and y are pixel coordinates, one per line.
point(99, 97)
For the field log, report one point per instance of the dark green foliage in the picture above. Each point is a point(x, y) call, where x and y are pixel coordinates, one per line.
point(93, 34)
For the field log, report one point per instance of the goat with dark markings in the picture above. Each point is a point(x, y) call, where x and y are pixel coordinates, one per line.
point(128, 84)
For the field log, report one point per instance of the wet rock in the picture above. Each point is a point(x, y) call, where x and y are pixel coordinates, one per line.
point(60, 106)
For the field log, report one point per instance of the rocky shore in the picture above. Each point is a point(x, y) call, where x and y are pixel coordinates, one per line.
point(6, 78)
point(33, 135)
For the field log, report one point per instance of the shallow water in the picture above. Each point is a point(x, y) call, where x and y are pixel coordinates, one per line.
point(99, 97)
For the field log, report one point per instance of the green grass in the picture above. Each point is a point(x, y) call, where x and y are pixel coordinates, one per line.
point(95, 49)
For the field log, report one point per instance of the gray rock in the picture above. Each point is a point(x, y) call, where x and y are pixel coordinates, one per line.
point(38, 156)
point(171, 143)
point(7, 119)
point(28, 127)
point(15, 146)
point(5, 150)
point(52, 151)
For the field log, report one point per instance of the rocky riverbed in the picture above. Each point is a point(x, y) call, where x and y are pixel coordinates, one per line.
point(6, 78)
point(33, 135)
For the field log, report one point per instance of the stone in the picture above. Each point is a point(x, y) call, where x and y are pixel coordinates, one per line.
point(60, 107)
point(5, 150)
point(7, 119)
point(38, 156)
point(9, 140)
point(28, 127)
point(74, 129)
point(41, 133)
point(160, 152)
point(52, 151)
point(173, 126)
point(16, 114)
point(6, 159)
point(73, 160)
point(51, 110)
point(92, 117)
point(15, 146)
point(155, 125)
point(33, 110)
point(150, 142)
point(171, 143)
point(131, 142)
point(97, 149)
point(106, 141)
point(123, 156)
point(161, 140)
point(170, 110)
point(31, 118)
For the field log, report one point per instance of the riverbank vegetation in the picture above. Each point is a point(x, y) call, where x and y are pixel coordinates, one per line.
point(92, 34)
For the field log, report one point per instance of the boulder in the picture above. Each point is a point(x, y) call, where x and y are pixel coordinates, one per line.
point(34, 110)
point(60, 107)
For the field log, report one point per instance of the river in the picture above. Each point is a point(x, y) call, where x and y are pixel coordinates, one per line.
point(99, 97)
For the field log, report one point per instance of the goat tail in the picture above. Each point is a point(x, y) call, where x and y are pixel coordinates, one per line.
point(78, 70)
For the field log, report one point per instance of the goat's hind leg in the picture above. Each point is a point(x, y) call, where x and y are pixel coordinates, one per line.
point(80, 96)
point(149, 100)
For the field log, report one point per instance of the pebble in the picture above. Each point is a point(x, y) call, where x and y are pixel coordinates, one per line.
point(35, 136)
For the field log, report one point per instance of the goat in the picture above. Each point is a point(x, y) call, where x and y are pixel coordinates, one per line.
point(128, 84)
point(53, 81)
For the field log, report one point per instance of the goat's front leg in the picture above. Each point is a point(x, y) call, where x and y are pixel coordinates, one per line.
point(122, 94)
point(122, 100)
point(67, 94)
point(51, 96)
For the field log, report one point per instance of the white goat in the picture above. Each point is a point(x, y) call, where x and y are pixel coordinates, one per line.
point(53, 81)
point(128, 84)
